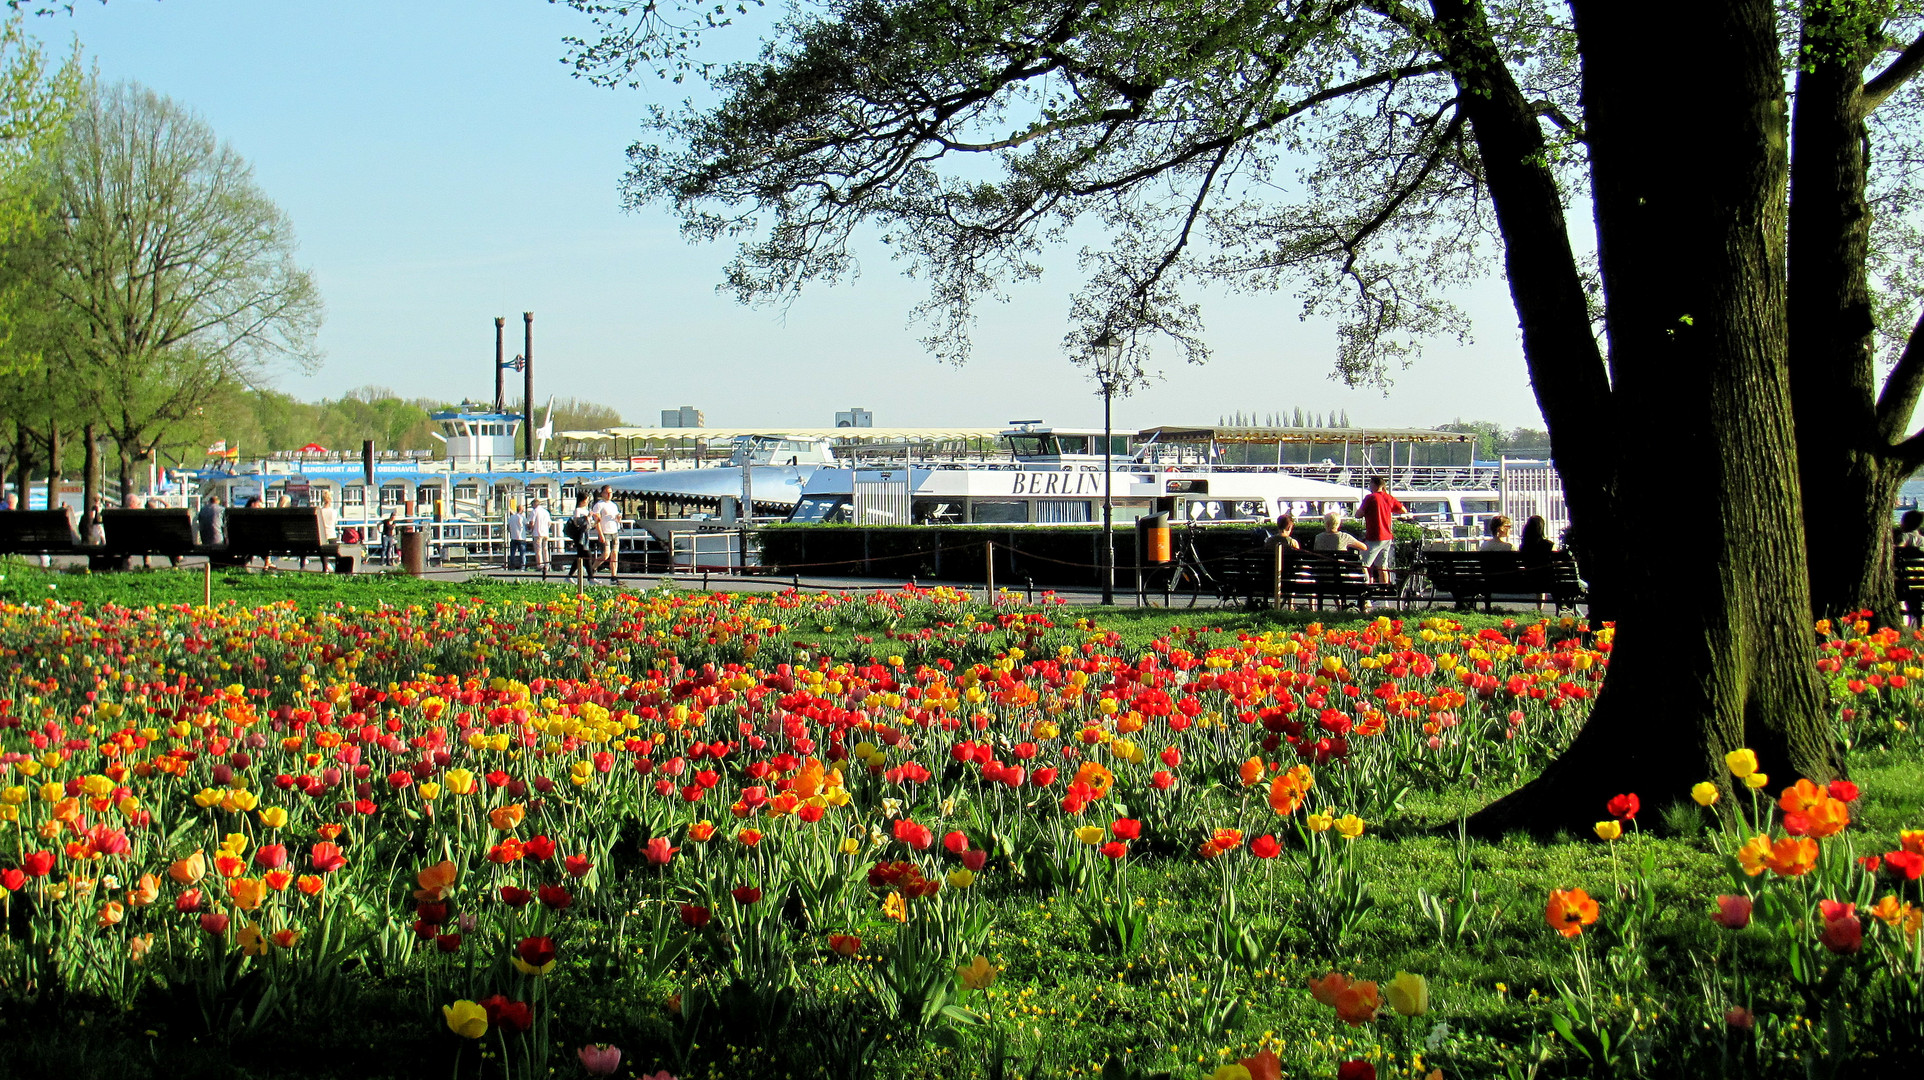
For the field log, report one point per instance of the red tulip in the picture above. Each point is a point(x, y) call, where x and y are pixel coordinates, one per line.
point(556, 897)
point(536, 951)
point(1843, 932)
point(1115, 849)
point(1162, 780)
point(270, 856)
point(956, 842)
point(975, 859)
point(327, 857)
point(504, 1013)
point(1908, 863)
point(213, 923)
point(695, 915)
point(448, 943)
point(12, 879)
point(1356, 1070)
point(1126, 829)
point(37, 863)
point(577, 865)
point(515, 897)
point(658, 851)
point(1624, 807)
point(188, 900)
point(539, 847)
point(746, 895)
point(916, 836)
point(1843, 791)
point(1265, 847)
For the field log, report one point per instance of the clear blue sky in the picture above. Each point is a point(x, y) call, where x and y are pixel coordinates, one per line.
point(441, 167)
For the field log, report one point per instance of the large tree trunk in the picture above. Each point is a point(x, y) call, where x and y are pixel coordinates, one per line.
point(1713, 646)
point(1842, 452)
point(54, 475)
point(90, 466)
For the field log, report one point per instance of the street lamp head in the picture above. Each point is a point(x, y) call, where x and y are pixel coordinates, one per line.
point(1108, 342)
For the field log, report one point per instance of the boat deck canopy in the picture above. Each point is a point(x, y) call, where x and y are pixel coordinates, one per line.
point(1361, 436)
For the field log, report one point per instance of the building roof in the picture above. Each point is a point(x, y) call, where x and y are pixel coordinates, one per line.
point(1175, 433)
point(833, 434)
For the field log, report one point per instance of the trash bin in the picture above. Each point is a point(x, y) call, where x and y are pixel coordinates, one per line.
point(1152, 538)
point(414, 551)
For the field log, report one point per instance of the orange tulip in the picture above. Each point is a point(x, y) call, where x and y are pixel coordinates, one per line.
point(1911, 840)
point(505, 818)
point(1753, 855)
point(1358, 1004)
point(1326, 988)
point(1264, 1066)
point(1828, 818)
point(1793, 856)
point(111, 913)
point(436, 881)
point(1569, 911)
point(309, 884)
point(188, 870)
point(230, 866)
point(1285, 794)
point(144, 892)
point(1802, 796)
point(1251, 772)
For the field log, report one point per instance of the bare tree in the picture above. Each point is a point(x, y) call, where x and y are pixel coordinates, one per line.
point(175, 269)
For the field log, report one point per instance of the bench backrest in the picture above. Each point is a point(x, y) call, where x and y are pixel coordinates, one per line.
point(1908, 568)
point(168, 531)
point(274, 528)
point(36, 531)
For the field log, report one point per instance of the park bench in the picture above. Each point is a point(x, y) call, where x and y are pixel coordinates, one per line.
point(1472, 576)
point(167, 531)
point(1908, 569)
point(1331, 577)
point(291, 532)
point(39, 532)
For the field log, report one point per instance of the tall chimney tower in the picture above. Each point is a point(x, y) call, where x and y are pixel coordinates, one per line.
point(527, 375)
point(499, 322)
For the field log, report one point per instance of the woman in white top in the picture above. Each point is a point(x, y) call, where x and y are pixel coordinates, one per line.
point(1500, 538)
point(1333, 538)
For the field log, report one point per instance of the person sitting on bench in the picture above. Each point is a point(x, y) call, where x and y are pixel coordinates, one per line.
point(1910, 530)
point(1536, 547)
point(1499, 538)
point(1333, 538)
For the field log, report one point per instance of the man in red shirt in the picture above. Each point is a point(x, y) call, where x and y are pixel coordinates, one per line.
point(1378, 508)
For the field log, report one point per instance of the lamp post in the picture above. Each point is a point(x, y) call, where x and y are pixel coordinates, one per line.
point(1108, 350)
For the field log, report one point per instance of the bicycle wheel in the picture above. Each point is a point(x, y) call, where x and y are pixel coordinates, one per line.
point(1188, 582)
point(1418, 591)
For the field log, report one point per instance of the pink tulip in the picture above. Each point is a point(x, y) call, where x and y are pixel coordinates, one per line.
point(600, 1059)
point(658, 851)
point(1733, 912)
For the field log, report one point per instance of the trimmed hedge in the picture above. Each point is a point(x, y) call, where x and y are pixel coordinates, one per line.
point(1052, 555)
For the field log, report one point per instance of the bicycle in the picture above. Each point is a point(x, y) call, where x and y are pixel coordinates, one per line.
point(1186, 574)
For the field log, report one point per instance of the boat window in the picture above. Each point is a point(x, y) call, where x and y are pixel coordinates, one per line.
point(1224, 509)
point(998, 513)
point(1028, 446)
point(468, 492)
point(821, 510)
point(427, 493)
point(936, 512)
point(393, 495)
point(354, 495)
point(1063, 511)
point(1072, 444)
point(1479, 506)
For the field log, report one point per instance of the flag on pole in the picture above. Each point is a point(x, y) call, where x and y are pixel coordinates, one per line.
point(217, 449)
point(519, 363)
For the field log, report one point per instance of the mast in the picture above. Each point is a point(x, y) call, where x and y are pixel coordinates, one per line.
point(499, 322)
point(527, 377)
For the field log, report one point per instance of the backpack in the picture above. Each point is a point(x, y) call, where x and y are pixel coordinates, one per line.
point(574, 529)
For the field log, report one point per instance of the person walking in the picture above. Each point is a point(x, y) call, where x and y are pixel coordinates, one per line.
point(387, 538)
point(607, 520)
point(1379, 511)
point(580, 533)
point(538, 526)
point(517, 533)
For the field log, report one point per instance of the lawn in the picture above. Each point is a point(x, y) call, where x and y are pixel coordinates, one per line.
point(396, 828)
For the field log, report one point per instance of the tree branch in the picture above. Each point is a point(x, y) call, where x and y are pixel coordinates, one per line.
point(1886, 82)
point(1902, 387)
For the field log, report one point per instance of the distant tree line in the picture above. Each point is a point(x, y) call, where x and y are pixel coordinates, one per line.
point(1285, 418)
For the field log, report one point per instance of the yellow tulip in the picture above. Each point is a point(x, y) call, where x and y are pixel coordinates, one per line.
point(977, 974)
point(274, 817)
point(459, 781)
point(429, 790)
point(850, 845)
point(1609, 830)
point(1705, 793)
point(1410, 994)
point(1349, 826)
point(1756, 780)
point(1742, 763)
point(251, 940)
point(466, 1019)
point(1090, 834)
point(894, 907)
point(961, 878)
point(1319, 822)
point(247, 893)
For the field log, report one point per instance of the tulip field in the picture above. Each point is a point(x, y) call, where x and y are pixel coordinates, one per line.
point(907, 834)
